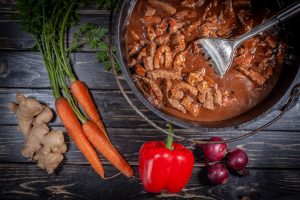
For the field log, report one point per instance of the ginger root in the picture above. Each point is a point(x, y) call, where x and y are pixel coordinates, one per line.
point(45, 146)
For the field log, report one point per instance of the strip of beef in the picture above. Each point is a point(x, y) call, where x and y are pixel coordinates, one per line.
point(196, 76)
point(176, 94)
point(149, 95)
point(176, 104)
point(139, 70)
point(149, 11)
point(152, 85)
point(165, 51)
point(186, 14)
point(149, 20)
point(189, 105)
point(209, 101)
point(151, 35)
point(135, 36)
point(134, 48)
point(177, 42)
point(170, 10)
point(192, 3)
point(148, 60)
point(179, 61)
point(162, 40)
point(170, 74)
point(183, 86)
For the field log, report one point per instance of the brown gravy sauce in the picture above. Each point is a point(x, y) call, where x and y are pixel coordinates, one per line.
point(247, 82)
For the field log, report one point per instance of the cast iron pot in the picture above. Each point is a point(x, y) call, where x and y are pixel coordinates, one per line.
point(289, 77)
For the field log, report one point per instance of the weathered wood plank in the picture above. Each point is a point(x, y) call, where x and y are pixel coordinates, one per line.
point(268, 149)
point(80, 182)
point(13, 38)
point(117, 113)
point(27, 69)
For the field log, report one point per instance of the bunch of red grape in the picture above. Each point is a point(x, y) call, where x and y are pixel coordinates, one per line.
point(236, 160)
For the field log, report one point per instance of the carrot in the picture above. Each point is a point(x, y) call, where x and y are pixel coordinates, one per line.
point(98, 139)
point(82, 95)
point(73, 126)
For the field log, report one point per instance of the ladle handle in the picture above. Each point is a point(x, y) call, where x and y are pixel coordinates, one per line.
point(289, 12)
point(282, 16)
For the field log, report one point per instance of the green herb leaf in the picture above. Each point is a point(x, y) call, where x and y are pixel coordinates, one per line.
point(96, 38)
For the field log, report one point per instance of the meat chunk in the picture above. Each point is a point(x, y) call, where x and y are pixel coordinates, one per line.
point(132, 62)
point(176, 94)
point(149, 11)
point(152, 85)
point(253, 75)
point(209, 101)
point(183, 86)
point(149, 20)
point(164, 74)
point(196, 77)
point(195, 25)
point(170, 10)
point(151, 35)
point(192, 3)
point(228, 21)
point(203, 87)
point(139, 70)
point(162, 40)
point(135, 36)
point(176, 104)
point(210, 27)
point(242, 3)
point(193, 49)
point(271, 42)
point(201, 97)
point(134, 48)
point(179, 61)
point(245, 18)
point(175, 26)
point(166, 51)
point(186, 14)
point(177, 42)
point(142, 54)
point(217, 95)
point(189, 105)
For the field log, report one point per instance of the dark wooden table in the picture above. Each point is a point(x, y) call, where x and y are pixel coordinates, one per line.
point(274, 154)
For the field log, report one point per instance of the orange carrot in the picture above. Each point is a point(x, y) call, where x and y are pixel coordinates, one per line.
point(75, 131)
point(98, 139)
point(82, 95)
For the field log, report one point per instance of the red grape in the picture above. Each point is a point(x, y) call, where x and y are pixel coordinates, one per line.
point(237, 159)
point(217, 173)
point(214, 152)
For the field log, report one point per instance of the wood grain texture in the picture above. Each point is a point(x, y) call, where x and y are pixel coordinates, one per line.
point(13, 38)
point(266, 150)
point(80, 182)
point(27, 69)
point(117, 113)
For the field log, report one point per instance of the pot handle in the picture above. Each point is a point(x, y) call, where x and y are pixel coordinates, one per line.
point(295, 100)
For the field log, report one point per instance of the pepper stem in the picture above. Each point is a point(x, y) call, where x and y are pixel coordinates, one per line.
point(169, 141)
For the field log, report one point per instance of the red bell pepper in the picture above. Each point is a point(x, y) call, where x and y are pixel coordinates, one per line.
point(165, 166)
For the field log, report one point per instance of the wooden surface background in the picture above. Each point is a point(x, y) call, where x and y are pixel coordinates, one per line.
point(274, 153)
